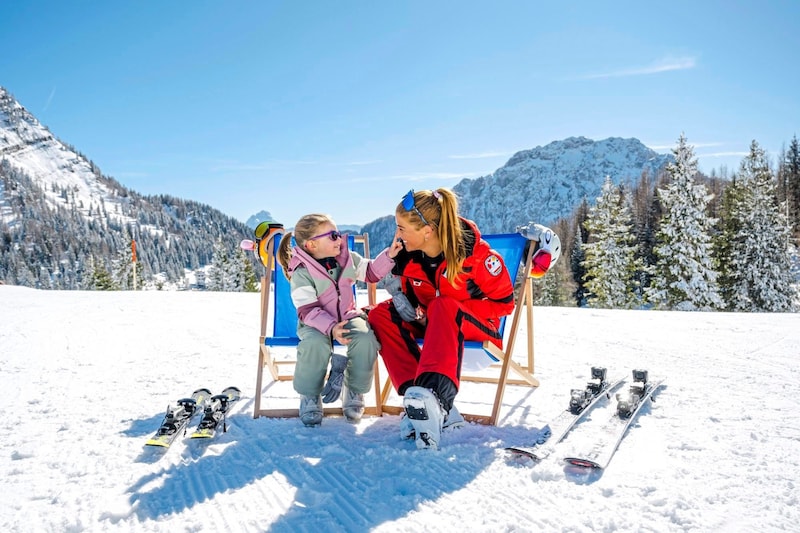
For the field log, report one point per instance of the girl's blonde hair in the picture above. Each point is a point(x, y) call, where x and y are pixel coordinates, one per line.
point(305, 228)
point(439, 208)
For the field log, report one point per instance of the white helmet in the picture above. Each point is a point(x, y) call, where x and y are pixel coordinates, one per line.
point(548, 247)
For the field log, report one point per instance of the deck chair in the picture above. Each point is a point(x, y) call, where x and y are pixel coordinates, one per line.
point(482, 356)
point(276, 295)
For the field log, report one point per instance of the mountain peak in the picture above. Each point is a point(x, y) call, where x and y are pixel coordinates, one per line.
point(584, 148)
point(547, 182)
point(259, 217)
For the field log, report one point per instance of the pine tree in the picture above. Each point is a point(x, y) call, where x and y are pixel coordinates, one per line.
point(218, 274)
point(759, 262)
point(100, 279)
point(791, 172)
point(577, 255)
point(250, 279)
point(727, 227)
point(236, 275)
point(684, 277)
point(122, 268)
point(577, 258)
point(646, 210)
point(611, 261)
point(554, 289)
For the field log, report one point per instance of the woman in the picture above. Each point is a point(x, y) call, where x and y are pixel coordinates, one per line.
point(454, 288)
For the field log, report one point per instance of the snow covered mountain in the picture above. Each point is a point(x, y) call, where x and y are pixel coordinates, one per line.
point(548, 182)
point(59, 214)
point(58, 169)
point(261, 216)
point(544, 184)
point(258, 218)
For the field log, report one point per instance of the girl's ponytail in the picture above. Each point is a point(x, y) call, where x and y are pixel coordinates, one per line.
point(284, 254)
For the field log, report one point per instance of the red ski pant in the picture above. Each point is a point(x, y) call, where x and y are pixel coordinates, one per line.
point(449, 325)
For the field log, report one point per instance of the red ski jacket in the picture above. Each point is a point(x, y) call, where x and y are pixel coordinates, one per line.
point(484, 288)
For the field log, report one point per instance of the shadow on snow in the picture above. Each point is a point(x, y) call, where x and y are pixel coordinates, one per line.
point(343, 480)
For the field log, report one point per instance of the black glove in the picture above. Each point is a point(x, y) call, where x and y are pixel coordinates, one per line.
point(333, 387)
point(401, 303)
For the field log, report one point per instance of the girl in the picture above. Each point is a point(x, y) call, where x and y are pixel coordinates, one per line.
point(322, 272)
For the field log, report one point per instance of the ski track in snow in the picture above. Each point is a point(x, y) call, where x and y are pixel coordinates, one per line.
point(91, 374)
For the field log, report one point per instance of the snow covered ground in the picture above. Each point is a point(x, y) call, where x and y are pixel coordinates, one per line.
point(87, 376)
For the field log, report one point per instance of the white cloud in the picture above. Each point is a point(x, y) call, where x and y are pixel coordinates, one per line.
point(361, 163)
point(233, 166)
point(671, 146)
point(411, 176)
point(49, 99)
point(480, 155)
point(662, 65)
point(725, 154)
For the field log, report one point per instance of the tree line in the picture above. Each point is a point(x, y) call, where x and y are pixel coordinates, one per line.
point(679, 240)
point(686, 242)
point(70, 246)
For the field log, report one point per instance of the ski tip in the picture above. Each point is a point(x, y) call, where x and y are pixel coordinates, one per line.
point(202, 391)
point(528, 452)
point(518, 455)
point(513, 449)
point(233, 393)
point(583, 463)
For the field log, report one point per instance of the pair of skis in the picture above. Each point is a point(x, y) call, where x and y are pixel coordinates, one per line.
point(179, 416)
point(581, 402)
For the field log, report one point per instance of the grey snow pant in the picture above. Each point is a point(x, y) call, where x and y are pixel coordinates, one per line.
point(314, 352)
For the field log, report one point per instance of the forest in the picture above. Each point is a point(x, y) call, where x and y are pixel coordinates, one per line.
point(679, 240)
point(684, 241)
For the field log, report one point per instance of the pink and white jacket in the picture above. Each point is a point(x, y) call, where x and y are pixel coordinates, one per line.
point(323, 302)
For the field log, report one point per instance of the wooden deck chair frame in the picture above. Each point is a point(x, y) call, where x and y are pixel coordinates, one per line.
point(503, 356)
point(265, 358)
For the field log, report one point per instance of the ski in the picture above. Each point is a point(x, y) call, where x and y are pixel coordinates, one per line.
point(215, 412)
point(178, 417)
point(580, 403)
point(612, 432)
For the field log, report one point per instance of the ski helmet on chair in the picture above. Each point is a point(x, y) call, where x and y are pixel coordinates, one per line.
point(548, 248)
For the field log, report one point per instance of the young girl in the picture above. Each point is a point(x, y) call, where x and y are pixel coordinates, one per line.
point(322, 271)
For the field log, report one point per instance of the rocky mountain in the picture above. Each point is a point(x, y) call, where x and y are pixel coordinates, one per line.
point(60, 216)
point(543, 184)
point(255, 220)
point(261, 216)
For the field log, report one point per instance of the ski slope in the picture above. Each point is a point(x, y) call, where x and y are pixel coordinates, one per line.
point(87, 377)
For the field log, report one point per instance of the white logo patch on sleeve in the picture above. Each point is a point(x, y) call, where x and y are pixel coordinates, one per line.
point(493, 265)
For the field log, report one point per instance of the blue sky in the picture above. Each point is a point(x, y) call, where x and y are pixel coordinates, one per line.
point(341, 107)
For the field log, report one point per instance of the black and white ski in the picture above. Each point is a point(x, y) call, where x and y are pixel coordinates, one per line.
point(580, 403)
point(215, 412)
point(178, 417)
point(611, 433)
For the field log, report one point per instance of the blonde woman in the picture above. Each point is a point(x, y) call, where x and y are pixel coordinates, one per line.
point(453, 287)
